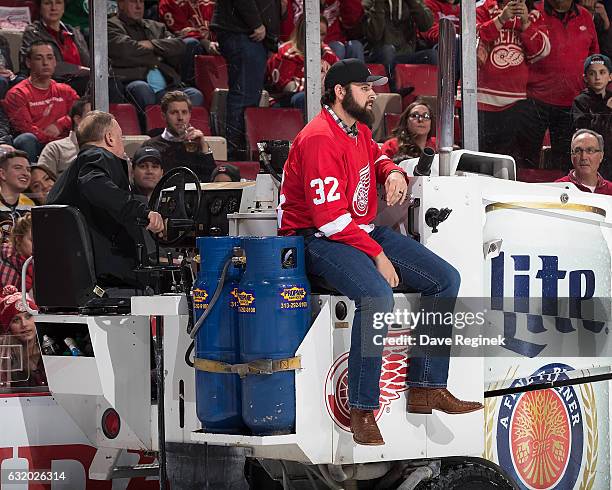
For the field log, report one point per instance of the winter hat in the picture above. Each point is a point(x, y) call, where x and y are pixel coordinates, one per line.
point(231, 171)
point(11, 305)
point(598, 59)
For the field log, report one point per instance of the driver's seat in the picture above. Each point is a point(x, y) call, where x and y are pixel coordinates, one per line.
point(64, 272)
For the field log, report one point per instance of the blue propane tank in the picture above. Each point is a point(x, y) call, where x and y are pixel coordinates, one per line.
point(274, 316)
point(218, 397)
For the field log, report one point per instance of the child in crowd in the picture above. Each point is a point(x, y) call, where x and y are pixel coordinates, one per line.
point(592, 108)
point(20, 357)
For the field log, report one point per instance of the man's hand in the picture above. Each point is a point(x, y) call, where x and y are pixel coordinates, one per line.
point(52, 130)
point(146, 45)
point(184, 31)
point(193, 134)
point(258, 34)
point(386, 269)
point(589, 5)
point(600, 9)
point(156, 222)
point(213, 48)
point(396, 188)
point(5, 72)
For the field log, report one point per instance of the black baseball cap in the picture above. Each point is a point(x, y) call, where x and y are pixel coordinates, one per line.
point(597, 59)
point(147, 153)
point(351, 70)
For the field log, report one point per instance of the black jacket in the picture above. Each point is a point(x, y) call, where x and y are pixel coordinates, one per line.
point(97, 183)
point(129, 61)
point(591, 111)
point(247, 15)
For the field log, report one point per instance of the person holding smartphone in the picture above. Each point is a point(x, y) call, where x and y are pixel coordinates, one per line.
point(511, 36)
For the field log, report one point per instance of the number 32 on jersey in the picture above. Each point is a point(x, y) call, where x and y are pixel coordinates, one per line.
point(326, 190)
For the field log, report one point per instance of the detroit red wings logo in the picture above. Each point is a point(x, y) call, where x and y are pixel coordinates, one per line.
point(360, 198)
point(392, 382)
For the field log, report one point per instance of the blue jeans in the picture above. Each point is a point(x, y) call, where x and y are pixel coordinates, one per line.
point(29, 143)
point(193, 47)
point(349, 49)
point(141, 95)
point(246, 68)
point(354, 275)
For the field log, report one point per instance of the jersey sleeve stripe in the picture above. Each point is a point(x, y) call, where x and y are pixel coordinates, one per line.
point(337, 225)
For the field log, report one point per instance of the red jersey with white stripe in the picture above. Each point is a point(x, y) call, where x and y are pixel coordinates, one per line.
point(506, 53)
point(179, 14)
point(329, 183)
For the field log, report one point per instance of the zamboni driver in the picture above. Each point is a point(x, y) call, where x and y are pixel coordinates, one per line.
point(328, 195)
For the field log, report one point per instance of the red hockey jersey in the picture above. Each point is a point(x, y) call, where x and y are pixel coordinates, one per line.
point(179, 14)
point(558, 78)
point(441, 9)
point(329, 183)
point(31, 109)
point(288, 65)
point(506, 54)
point(343, 16)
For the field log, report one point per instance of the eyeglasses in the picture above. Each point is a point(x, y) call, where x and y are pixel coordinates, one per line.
point(417, 116)
point(588, 151)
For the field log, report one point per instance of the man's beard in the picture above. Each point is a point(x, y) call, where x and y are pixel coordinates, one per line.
point(362, 114)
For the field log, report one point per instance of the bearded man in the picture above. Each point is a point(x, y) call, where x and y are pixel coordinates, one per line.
point(328, 196)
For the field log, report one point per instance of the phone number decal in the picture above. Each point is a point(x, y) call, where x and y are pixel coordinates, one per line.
point(18, 476)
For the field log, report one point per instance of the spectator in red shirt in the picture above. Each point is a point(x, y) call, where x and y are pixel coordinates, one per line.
point(413, 133)
point(587, 154)
point(39, 107)
point(285, 69)
point(15, 252)
point(344, 20)
point(554, 82)
point(68, 43)
point(190, 18)
point(441, 9)
point(512, 35)
point(21, 366)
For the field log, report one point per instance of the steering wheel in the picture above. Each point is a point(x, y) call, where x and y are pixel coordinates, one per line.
point(180, 215)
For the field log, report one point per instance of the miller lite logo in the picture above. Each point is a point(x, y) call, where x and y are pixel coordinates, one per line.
point(360, 197)
point(540, 433)
point(392, 382)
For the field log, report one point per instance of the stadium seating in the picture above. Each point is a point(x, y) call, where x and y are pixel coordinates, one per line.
point(155, 120)
point(210, 74)
point(262, 123)
point(376, 69)
point(126, 117)
point(391, 122)
point(424, 79)
point(538, 174)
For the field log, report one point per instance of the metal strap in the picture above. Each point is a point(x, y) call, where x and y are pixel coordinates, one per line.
point(259, 366)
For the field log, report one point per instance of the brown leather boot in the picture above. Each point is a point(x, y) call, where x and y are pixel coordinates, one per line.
point(364, 428)
point(424, 400)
